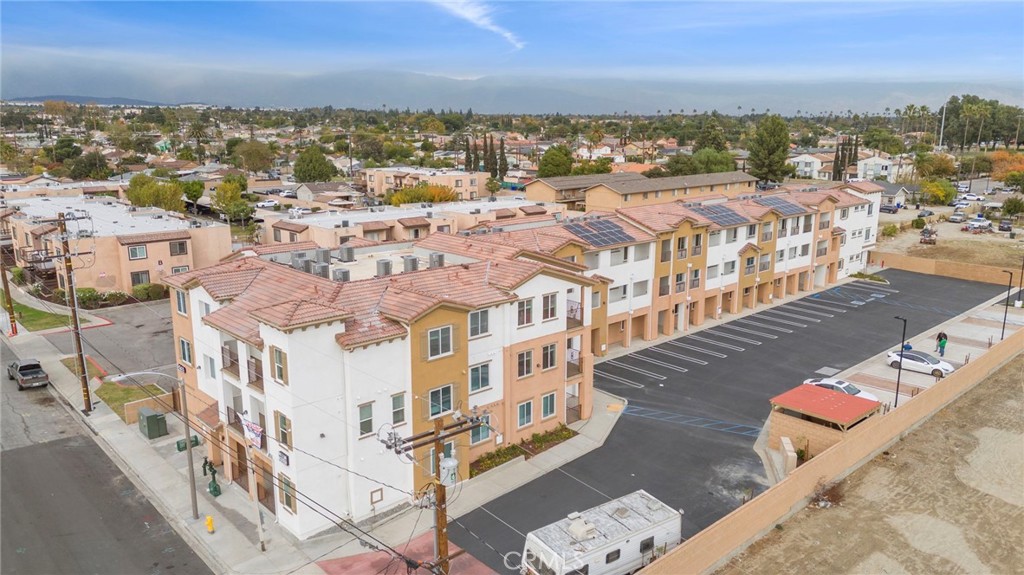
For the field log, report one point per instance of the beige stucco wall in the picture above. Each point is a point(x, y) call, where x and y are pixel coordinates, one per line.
point(959, 270)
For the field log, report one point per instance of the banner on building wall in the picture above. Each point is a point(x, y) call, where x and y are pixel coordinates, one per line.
point(253, 432)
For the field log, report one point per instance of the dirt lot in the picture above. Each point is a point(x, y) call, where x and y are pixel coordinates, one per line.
point(995, 249)
point(949, 498)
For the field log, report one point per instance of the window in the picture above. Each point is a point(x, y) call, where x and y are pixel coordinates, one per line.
point(181, 300)
point(179, 269)
point(292, 237)
point(458, 183)
point(805, 249)
point(525, 411)
point(440, 400)
point(844, 213)
point(547, 405)
point(449, 447)
point(714, 239)
point(752, 231)
point(366, 419)
point(548, 354)
point(640, 288)
point(617, 293)
point(137, 252)
point(211, 366)
point(620, 255)
point(524, 361)
point(780, 255)
point(439, 342)
point(204, 309)
point(712, 272)
point(549, 306)
point(479, 377)
point(179, 248)
point(286, 493)
point(277, 235)
point(647, 545)
point(185, 347)
point(279, 365)
point(729, 268)
point(478, 323)
point(613, 556)
point(139, 278)
point(595, 299)
point(398, 409)
point(642, 252)
point(732, 235)
point(666, 250)
point(524, 312)
point(482, 433)
point(792, 252)
point(284, 429)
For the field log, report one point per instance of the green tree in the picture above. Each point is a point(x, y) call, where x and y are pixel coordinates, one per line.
point(145, 191)
point(713, 136)
point(226, 199)
point(493, 186)
point(769, 150)
point(710, 161)
point(556, 161)
point(186, 153)
point(937, 191)
point(197, 133)
point(254, 156)
point(238, 179)
point(64, 149)
point(934, 166)
point(313, 166)
point(1014, 180)
point(193, 191)
point(90, 166)
point(599, 166)
point(884, 140)
point(422, 192)
point(502, 160)
point(1013, 206)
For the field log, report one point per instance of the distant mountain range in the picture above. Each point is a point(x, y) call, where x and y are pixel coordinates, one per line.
point(88, 100)
point(370, 89)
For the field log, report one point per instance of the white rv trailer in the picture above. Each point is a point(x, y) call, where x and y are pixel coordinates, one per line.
point(614, 538)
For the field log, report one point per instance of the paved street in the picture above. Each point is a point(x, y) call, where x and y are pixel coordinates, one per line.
point(66, 507)
point(697, 403)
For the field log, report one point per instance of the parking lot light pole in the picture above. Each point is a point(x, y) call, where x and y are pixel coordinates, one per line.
point(1006, 304)
point(899, 370)
point(180, 385)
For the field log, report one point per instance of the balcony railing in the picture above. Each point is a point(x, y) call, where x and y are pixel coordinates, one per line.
point(235, 420)
point(664, 289)
point(680, 287)
point(573, 366)
point(696, 250)
point(807, 227)
point(821, 251)
point(666, 256)
point(763, 266)
point(681, 253)
point(695, 283)
point(255, 367)
point(34, 256)
point(783, 233)
point(229, 359)
point(573, 314)
point(766, 237)
point(748, 270)
point(824, 225)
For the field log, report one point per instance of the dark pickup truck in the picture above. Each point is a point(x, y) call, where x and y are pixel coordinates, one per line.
point(28, 373)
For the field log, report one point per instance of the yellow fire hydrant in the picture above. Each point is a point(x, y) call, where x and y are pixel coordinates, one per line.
point(209, 523)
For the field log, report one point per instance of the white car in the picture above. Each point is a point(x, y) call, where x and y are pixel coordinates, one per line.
point(972, 197)
point(919, 361)
point(299, 212)
point(268, 204)
point(840, 385)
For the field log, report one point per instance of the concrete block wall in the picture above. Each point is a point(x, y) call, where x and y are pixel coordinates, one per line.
point(812, 437)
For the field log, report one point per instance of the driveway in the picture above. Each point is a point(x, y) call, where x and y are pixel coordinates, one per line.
point(697, 403)
point(139, 339)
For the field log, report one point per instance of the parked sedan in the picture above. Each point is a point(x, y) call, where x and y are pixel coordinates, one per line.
point(268, 204)
point(957, 217)
point(840, 385)
point(972, 197)
point(288, 194)
point(888, 209)
point(925, 213)
point(919, 361)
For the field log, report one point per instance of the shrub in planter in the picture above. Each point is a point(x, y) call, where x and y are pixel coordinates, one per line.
point(277, 208)
point(918, 223)
point(35, 290)
point(115, 297)
point(88, 298)
point(288, 206)
point(890, 230)
point(58, 295)
point(141, 292)
point(18, 276)
point(157, 291)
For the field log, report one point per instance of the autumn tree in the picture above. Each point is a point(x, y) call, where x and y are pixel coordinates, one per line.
point(937, 191)
point(769, 150)
point(421, 193)
point(1005, 162)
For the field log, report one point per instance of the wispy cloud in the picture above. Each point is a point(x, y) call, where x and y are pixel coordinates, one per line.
point(478, 14)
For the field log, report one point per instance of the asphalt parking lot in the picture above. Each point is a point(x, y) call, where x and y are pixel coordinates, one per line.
point(697, 404)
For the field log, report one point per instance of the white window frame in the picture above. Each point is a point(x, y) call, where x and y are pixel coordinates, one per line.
point(549, 302)
point(179, 269)
point(519, 414)
point(485, 370)
point(482, 327)
point(543, 406)
point(549, 350)
point(397, 419)
point(482, 433)
point(524, 312)
point(185, 350)
point(364, 419)
point(528, 356)
point(181, 302)
point(133, 252)
point(440, 401)
point(441, 352)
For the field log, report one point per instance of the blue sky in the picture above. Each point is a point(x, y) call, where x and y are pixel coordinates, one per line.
point(465, 39)
point(573, 55)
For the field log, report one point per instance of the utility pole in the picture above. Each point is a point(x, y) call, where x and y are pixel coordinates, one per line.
point(437, 438)
point(76, 327)
point(9, 303)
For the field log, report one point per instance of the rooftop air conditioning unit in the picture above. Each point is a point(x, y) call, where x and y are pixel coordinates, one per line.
point(410, 263)
point(341, 275)
point(322, 270)
point(383, 268)
point(323, 256)
point(307, 266)
point(298, 263)
point(347, 254)
point(436, 260)
point(466, 233)
point(430, 215)
point(476, 211)
point(344, 223)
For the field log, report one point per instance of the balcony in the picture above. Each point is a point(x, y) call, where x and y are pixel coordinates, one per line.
point(695, 283)
point(235, 420)
point(766, 237)
point(824, 225)
point(39, 258)
point(821, 252)
point(573, 364)
point(764, 266)
point(783, 233)
point(573, 314)
point(696, 251)
point(255, 368)
point(229, 358)
point(748, 270)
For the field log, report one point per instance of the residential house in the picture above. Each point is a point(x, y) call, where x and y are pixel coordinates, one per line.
point(467, 185)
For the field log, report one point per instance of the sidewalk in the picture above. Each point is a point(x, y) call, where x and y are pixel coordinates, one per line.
point(19, 295)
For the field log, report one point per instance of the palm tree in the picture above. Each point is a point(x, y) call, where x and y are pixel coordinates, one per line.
point(197, 131)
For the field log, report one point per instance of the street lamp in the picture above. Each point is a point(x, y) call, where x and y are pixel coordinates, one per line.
point(1006, 304)
point(179, 385)
point(899, 372)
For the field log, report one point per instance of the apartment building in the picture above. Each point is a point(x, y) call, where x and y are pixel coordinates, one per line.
point(308, 372)
point(379, 181)
point(607, 192)
point(406, 223)
point(119, 245)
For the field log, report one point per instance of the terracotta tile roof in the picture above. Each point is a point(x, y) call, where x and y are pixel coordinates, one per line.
point(290, 226)
point(661, 217)
point(679, 182)
point(580, 182)
point(43, 229)
point(533, 210)
point(832, 406)
point(359, 243)
point(520, 220)
point(504, 213)
point(153, 237)
point(413, 222)
point(475, 247)
point(836, 231)
point(283, 248)
point(374, 226)
point(748, 247)
point(7, 212)
point(301, 312)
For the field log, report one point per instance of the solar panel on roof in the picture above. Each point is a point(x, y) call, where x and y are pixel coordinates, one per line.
point(721, 215)
point(781, 204)
point(604, 225)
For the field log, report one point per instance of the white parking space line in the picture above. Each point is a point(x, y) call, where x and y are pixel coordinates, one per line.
point(664, 364)
point(718, 343)
point(793, 315)
point(816, 305)
point(731, 336)
point(763, 325)
point(636, 369)
point(869, 289)
point(678, 355)
point(873, 287)
point(618, 379)
point(805, 310)
point(818, 299)
point(785, 321)
point(751, 331)
point(695, 348)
